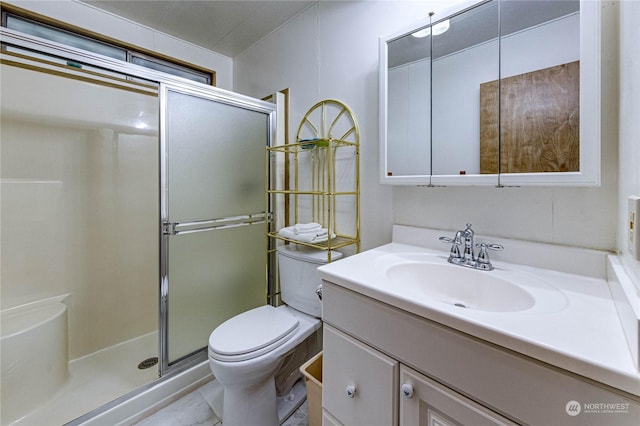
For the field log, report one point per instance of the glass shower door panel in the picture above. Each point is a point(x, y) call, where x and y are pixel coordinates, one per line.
point(216, 159)
point(213, 276)
point(214, 216)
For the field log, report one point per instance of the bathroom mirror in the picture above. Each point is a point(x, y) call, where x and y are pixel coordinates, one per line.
point(409, 103)
point(464, 56)
point(482, 99)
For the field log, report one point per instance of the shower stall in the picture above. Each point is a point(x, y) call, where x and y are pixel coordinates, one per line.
point(131, 224)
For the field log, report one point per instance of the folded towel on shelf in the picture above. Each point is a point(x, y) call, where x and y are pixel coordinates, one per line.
point(319, 236)
point(301, 228)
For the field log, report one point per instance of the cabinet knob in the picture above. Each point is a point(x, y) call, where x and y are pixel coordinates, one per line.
point(319, 292)
point(407, 390)
point(351, 391)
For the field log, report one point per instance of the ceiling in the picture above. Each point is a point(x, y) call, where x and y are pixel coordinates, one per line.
point(225, 27)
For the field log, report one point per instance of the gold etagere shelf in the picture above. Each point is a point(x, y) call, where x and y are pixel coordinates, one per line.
point(317, 179)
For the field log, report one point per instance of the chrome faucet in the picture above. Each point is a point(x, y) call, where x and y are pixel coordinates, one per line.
point(464, 239)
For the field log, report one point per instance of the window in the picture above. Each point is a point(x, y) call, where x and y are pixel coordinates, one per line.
point(75, 39)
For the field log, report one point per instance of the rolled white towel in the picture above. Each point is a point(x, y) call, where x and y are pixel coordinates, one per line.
point(302, 228)
point(308, 237)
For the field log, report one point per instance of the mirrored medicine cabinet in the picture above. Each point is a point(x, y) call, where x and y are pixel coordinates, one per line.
point(501, 92)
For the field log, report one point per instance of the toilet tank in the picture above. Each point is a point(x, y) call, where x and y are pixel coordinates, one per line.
point(299, 278)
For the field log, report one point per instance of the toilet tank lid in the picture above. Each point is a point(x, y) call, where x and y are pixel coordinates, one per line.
point(308, 254)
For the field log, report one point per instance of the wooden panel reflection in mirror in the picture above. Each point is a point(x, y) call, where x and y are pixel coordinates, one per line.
point(540, 122)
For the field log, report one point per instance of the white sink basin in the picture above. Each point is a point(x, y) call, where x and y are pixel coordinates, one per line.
point(461, 287)
point(429, 278)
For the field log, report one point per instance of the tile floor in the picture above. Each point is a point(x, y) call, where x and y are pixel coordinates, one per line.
point(200, 407)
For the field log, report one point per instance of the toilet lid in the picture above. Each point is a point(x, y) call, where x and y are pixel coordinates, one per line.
point(252, 333)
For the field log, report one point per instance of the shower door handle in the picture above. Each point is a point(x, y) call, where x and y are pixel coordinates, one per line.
point(177, 228)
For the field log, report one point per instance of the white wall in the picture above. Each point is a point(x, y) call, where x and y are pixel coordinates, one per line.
point(330, 50)
point(629, 129)
point(81, 15)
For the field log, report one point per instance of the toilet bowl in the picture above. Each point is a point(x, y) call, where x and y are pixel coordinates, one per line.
point(246, 351)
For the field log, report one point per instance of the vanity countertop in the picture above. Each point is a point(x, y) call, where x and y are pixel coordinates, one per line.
point(585, 336)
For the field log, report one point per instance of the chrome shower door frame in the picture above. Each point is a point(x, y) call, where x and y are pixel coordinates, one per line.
point(172, 229)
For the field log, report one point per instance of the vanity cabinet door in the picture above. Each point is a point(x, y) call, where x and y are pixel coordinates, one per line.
point(359, 383)
point(425, 402)
point(328, 420)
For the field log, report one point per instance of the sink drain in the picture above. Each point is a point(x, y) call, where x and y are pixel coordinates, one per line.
point(148, 363)
point(459, 305)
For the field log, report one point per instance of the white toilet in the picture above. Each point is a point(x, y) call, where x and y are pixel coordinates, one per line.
point(246, 351)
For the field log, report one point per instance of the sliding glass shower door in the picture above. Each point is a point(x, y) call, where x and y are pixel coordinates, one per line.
point(213, 242)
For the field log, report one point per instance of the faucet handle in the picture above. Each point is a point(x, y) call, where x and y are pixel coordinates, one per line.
point(456, 242)
point(483, 256)
point(457, 239)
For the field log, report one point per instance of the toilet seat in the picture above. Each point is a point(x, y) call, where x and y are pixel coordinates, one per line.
point(251, 334)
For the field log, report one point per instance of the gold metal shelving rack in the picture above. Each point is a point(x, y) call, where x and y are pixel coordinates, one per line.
point(317, 179)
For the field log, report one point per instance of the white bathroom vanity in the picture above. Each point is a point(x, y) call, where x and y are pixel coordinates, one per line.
point(410, 339)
